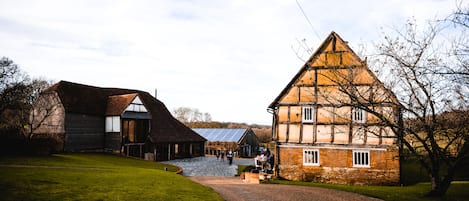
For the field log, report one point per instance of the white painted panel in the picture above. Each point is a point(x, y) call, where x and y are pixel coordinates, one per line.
point(282, 132)
point(388, 136)
point(308, 133)
point(142, 108)
point(294, 133)
point(137, 100)
point(116, 124)
point(341, 134)
point(372, 135)
point(130, 107)
point(358, 135)
point(323, 134)
point(108, 124)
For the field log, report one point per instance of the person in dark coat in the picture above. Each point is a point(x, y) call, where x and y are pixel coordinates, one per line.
point(229, 156)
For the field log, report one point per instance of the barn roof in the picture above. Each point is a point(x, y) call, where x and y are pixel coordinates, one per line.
point(222, 134)
point(118, 103)
point(91, 100)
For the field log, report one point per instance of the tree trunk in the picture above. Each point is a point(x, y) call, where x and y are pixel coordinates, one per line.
point(440, 187)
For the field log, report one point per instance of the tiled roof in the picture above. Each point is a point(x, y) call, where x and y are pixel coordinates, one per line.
point(91, 100)
point(118, 103)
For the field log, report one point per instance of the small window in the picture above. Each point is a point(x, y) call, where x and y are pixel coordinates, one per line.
point(113, 124)
point(308, 114)
point(361, 158)
point(311, 157)
point(358, 115)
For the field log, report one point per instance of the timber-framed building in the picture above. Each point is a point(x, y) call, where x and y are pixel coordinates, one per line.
point(325, 121)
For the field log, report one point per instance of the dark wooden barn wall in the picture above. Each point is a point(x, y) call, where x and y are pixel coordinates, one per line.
point(183, 150)
point(250, 139)
point(112, 141)
point(83, 132)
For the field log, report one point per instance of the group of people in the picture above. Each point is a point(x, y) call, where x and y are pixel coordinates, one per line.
point(264, 161)
point(229, 155)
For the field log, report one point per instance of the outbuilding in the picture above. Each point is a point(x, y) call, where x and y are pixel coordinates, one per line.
point(127, 121)
point(243, 141)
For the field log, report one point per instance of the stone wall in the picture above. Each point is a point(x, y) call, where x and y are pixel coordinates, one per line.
point(336, 166)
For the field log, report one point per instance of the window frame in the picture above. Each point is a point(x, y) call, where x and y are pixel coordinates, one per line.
point(356, 112)
point(315, 157)
point(364, 158)
point(112, 124)
point(311, 117)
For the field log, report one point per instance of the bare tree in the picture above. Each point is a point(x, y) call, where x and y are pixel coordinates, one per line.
point(426, 89)
point(13, 97)
point(429, 90)
point(182, 114)
point(459, 51)
point(23, 106)
point(190, 115)
point(427, 72)
point(42, 107)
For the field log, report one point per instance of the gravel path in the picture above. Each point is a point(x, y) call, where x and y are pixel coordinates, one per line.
point(219, 175)
point(233, 189)
point(209, 166)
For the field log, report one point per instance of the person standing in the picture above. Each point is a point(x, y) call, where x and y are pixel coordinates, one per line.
point(222, 155)
point(229, 156)
point(217, 153)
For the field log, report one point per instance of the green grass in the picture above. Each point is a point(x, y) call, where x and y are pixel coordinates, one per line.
point(95, 177)
point(457, 191)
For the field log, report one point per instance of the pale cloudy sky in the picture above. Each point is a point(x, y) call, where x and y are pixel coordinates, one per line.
point(227, 58)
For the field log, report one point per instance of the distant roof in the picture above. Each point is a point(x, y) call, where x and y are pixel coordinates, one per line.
point(221, 134)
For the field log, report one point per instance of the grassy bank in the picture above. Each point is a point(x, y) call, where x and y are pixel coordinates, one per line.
point(94, 177)
point(457, 191)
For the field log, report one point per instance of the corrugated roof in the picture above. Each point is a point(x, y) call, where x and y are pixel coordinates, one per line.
point(221, 134)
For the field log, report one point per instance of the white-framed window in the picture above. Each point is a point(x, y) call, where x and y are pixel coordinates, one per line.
point(358, 115)
point(308, 114)
point(136, 106)
point(361, 158)
point(311, 157)
point(113, 124)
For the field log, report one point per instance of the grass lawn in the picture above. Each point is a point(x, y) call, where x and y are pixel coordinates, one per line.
point(94, 177)
point(459, 190)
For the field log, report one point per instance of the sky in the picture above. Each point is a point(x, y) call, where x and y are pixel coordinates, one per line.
point(227, 58)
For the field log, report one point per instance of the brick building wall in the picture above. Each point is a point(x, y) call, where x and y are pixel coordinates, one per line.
point(336, 166)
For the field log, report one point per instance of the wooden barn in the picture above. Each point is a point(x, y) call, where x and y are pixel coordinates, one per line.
point(130, 122)
point(325, 123)
point(241, 140)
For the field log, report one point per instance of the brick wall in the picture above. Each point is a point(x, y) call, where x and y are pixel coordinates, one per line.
point(336, 166)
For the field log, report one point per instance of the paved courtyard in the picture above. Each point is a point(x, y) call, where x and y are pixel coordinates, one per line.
point(209, 166)
point(219, 175)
